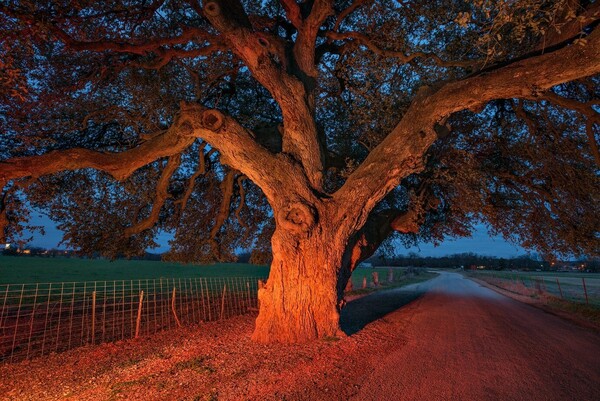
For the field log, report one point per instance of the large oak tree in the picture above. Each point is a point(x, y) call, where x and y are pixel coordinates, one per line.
point(323, 126)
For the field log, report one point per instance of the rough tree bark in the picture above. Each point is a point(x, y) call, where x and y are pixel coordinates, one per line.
point(299, 301)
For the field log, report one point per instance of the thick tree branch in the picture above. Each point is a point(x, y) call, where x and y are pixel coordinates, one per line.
point(119, 165)
point(159, 198)
point(239, 150)
point(304, 48)
point(227, 195)
point(292, 11)
point(401, 152)
point(238, 210)
point(266, 57)
point(200, 170)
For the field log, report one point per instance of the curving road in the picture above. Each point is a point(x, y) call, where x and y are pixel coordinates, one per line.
point(467, 342)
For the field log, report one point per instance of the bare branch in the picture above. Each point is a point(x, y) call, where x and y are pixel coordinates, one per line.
point(589, 130)
point(346, 12)
point(159, 198)
point(227, 194)
point(164, 56)
point(200, 170)
point(592, 117)
point(404, 58)
point(238, 210)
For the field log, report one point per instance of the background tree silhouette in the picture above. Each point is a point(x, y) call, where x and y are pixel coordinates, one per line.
point(315, 129)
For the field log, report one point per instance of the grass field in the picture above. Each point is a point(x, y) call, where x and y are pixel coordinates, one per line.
point(400, 279)
point(568, 285)
point(23, 269)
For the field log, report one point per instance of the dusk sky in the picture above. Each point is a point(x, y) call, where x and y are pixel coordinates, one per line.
point(480, 243)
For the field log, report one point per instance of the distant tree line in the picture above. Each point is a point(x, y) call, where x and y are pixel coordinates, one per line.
point(467, 260)
point(473, 261)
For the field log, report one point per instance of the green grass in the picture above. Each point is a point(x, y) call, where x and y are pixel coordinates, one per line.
point(510, 274)
point(589, 313)
point(400, 279)
point(23, 269)
point(31, 269)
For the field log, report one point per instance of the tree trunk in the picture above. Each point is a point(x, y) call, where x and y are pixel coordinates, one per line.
point(300, 301)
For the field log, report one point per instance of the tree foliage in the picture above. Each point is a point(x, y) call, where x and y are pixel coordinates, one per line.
point(100, 86)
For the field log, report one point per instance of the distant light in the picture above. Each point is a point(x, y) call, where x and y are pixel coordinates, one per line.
point(6, 246)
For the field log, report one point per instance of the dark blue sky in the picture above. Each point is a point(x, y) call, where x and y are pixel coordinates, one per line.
point(480, 243)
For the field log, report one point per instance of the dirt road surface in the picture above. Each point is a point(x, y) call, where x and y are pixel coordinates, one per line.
point(466, 342)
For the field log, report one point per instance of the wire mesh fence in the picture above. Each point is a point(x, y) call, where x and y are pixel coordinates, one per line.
point(37, 319)
point(572, 288)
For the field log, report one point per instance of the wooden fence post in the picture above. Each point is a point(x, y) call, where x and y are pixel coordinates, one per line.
point(585, 290)
point(223, 302)
point(391, 275)
point(249, 305)
point(139, 315)
point(559, 289)
point(375, 276)
point(364, 283)
point(93, 317)
point(173, 309)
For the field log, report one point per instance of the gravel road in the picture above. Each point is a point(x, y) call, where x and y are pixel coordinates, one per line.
point(467, 342)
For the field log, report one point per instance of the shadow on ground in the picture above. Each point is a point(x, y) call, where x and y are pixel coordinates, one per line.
point(362, 311)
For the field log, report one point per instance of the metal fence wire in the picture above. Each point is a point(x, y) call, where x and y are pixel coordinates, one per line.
point(585, 290)
point(41, 318)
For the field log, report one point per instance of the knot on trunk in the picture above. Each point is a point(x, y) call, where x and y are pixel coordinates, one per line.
point(212, 9)
point(212, 120)
point(299, 218)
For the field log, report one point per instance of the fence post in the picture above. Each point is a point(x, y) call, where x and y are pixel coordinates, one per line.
point(139, 315)
point(94, 317)
point(173, 309)
point(585, 290)
point(223, 301)
point(375, 276)
point(559, 289)
point(364, 283)
point(4, 304)
point(249, 296)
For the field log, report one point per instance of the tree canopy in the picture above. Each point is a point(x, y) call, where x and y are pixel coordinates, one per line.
point(124, 118)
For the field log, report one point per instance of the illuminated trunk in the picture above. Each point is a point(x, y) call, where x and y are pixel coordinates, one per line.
point(300, 301)
point(311, 266)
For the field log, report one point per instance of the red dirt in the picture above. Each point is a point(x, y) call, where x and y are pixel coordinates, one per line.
point(457, 342)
